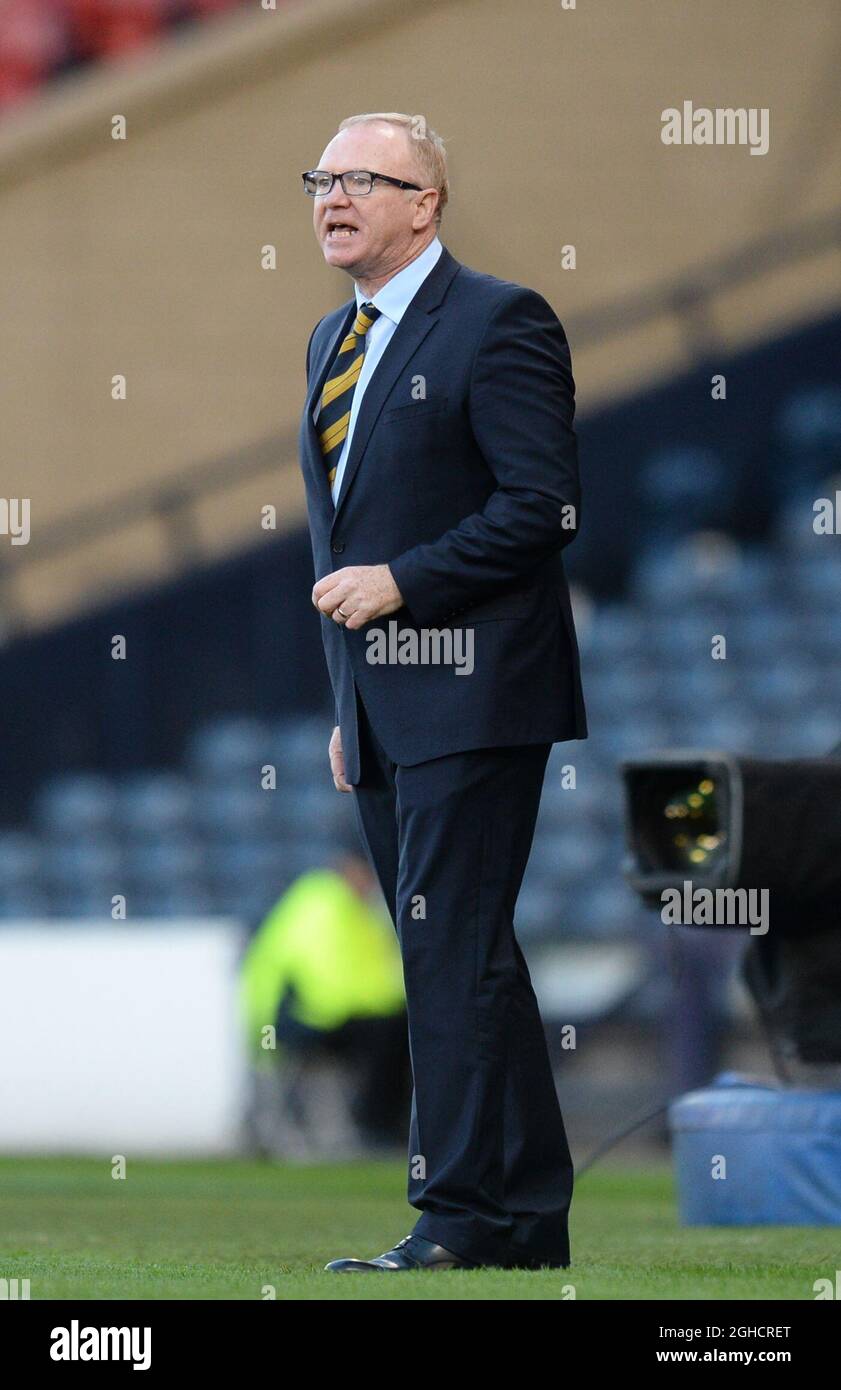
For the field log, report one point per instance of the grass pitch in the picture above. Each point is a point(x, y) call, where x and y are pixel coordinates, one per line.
point(223, 1230)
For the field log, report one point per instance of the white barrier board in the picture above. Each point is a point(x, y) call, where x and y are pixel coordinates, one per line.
point(120, 1038)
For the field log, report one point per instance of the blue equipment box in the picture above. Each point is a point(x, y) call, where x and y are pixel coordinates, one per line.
point(753, 1154)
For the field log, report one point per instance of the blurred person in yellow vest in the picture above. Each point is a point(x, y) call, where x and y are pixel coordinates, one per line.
point(322, 981)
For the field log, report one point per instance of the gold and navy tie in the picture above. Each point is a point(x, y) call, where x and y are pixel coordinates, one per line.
point(337, 397)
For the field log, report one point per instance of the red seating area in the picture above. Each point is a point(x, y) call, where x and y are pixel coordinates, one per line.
point(44, 39)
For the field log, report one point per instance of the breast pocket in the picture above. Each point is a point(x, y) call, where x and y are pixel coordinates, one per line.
point(415, 410)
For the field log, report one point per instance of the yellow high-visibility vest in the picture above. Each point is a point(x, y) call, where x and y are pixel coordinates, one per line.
point(335, 955)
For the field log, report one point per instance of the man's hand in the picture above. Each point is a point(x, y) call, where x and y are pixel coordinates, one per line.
point(361, 592)
point(337, 761)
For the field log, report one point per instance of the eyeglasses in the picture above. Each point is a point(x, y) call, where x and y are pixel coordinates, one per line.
point(356, 183)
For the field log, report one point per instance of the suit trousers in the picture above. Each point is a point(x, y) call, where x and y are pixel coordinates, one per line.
point(449, 839)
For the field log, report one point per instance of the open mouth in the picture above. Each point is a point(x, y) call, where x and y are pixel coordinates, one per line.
point(338, 231)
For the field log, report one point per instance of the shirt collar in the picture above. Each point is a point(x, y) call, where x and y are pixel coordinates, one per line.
point(397, 294)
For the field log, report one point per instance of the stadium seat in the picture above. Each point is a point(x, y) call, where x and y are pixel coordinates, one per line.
point(684, 488)
point(807, 439)
point(207, 9)
point(607, 911)
point(75, 805)
point(112, 28)
point(21, 883)
point(73, 863)
point(155, 805)
point(44, 39)
point(300, 749)
point(539, 914)
point(702, 569)
point(20, 858)
point(235, 814)
point(615, 629)
point(230, 749)
point(34, 39)
point(177, 900)
point(165, 865)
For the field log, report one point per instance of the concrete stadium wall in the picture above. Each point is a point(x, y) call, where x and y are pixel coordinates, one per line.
point(142, 256)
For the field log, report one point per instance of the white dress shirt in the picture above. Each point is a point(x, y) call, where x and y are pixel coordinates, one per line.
point(392, 301)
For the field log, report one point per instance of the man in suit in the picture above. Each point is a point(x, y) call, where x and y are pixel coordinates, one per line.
point(442, 484)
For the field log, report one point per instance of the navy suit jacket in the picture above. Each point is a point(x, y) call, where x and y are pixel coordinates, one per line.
point(463, 477)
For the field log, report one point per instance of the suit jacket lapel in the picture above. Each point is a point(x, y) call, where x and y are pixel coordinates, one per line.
point(419, 318)
point(318, 377)
point(406, 339)
point(416, 323)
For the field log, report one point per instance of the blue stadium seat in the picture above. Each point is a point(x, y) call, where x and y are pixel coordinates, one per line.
point(705, 683)
point(726, 729)
point(92, 900)
point(684, 488)
point(300, 748)
point(633, 737)
point(615, 630)
point(73, 864)
point(24, 905)
point(812, 733)
point(607, 911)
point(539, 913)
point(588, 802)
point(807, 443)
point(783, 686)
point(230, 750)
point(75, 805)
point(794, 526)
point(20, 859)
point(701, 571)
point(234, 813)
point(165, 864)
point(249, 877)
point(685, 638)
point(576, 853)
point(761, 634)
point(21, 882)
point(184, 899)
point(155, 805)
point(817, 580)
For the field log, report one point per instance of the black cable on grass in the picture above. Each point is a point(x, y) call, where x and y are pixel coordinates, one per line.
point(613, 1139)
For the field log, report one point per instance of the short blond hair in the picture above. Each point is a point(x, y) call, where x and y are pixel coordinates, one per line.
point(428, 149)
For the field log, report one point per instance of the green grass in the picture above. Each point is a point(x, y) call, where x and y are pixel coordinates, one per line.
point(221, 1230)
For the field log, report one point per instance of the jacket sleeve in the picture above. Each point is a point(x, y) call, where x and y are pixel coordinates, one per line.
point(521, 404)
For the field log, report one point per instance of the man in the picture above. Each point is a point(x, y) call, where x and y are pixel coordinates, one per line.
point(442, 483)
point(323, 968)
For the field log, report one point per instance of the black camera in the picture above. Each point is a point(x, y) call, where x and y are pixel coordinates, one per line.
point(742, 843)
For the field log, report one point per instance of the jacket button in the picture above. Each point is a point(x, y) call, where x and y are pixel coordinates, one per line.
point(337, 547)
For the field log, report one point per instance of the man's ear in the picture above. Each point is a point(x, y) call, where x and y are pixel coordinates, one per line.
point(425, 208)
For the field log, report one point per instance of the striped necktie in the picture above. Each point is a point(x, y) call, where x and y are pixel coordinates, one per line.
point(337, 397)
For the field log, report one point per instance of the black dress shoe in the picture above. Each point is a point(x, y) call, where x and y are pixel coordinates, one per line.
point(413, 1252)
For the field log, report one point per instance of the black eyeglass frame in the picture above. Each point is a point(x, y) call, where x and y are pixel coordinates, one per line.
point(384, 178)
